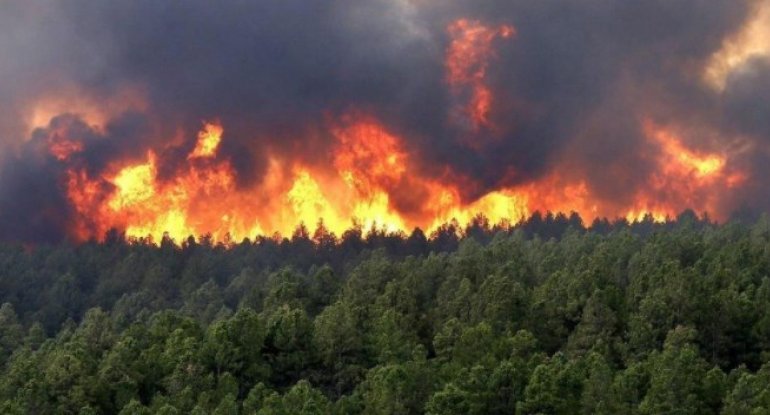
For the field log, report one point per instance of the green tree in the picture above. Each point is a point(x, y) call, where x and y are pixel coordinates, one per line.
point(134, 408)
point(554, 388)
point(235, 346)
point(256, 398)
point(11, 331)
point(750, 395)
point(397, 389)
point(227, 406)
point(301, 399)
point(289, 344)
point(597, 397)
point(340, 346)
point(676, 377)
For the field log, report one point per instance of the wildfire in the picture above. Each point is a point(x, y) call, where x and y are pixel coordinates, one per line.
point(370, 178)
point(467, 60)
point(369, 167)
point(62, 148)
point(681, 160)
point(683, 178)
point(308, 203)
point(208, 141)
point(134, 185)
point(197, 201)
point(368, 155)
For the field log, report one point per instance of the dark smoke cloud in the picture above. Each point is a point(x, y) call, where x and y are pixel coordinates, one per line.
point(572, 84)
point(748, 92)
point(33, 203)
point(747, 113)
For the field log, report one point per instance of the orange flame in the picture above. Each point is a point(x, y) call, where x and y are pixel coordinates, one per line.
point(371, 178)
point(684, 178)
point(467, 60)
point(208, 141)
point(682, 161)
point(367, 155)
point(62, 148)
point(370, 168)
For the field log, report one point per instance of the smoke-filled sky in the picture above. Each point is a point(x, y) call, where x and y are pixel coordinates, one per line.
point(606, 107)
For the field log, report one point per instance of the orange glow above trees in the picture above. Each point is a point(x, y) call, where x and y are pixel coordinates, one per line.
point(369, 166)
point(370, 178)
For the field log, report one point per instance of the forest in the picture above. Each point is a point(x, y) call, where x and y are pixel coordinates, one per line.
point(550, 316)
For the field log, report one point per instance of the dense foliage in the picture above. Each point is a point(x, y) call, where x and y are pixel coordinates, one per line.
point(547, 317)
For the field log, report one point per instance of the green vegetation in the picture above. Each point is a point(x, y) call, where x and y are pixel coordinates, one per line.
point(544, 318)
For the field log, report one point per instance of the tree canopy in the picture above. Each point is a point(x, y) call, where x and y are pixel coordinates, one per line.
point(546, 317)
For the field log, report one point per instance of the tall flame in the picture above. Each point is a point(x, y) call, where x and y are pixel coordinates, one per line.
point(369, 166)
point(208, 141)
point(467, 61)
point(371, 179)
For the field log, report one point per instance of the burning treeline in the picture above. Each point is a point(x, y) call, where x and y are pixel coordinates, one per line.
point(368, 165)
point(483, 122)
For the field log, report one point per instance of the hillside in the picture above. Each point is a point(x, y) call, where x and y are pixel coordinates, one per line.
point(545, 317)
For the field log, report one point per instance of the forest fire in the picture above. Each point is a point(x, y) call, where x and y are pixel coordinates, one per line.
point(683, 177)
point(370, 169)
point(467, 60)
point(370, 166)
point(455, 114)
point(384, 207)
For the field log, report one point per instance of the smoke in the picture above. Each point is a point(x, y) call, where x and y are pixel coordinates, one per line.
point(571, 90)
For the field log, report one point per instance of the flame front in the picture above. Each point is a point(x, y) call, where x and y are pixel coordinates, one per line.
point(370, 165)
point(371, 178)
